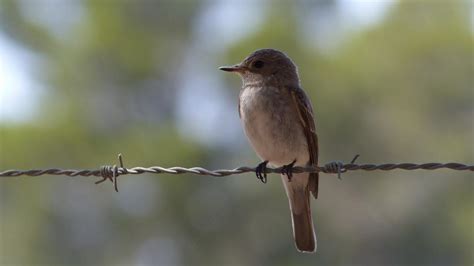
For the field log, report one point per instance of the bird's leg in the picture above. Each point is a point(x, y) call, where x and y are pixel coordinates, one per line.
point(261, 171)
point(288, 170)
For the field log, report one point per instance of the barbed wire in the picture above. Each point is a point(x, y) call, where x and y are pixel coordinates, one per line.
point(108, 172)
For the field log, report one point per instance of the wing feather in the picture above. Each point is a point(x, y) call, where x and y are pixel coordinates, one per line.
point(305, 113)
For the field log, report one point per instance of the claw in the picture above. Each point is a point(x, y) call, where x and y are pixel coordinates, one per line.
point(261, 171)
point(288, 170)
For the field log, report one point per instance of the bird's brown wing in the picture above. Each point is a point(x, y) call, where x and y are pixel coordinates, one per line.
point(305, 112)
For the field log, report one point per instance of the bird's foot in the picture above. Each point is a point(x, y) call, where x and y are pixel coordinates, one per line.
point(288, 170)
point(261, 171)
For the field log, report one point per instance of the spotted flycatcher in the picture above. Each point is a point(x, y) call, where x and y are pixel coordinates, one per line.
point(278, 120)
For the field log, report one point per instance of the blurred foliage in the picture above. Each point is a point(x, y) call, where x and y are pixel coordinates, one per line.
point(398, 90)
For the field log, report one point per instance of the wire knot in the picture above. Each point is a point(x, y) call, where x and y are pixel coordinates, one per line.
point(111, 173)
point(337, 167)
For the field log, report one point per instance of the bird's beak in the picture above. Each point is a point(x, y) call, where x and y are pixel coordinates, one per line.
point(234, 68)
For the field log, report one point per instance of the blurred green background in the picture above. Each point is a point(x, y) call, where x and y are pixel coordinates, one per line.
point(81, 81)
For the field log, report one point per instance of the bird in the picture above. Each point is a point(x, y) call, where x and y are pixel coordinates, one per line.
point(277, 117)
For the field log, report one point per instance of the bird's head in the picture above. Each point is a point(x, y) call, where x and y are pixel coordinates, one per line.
point(268, 67)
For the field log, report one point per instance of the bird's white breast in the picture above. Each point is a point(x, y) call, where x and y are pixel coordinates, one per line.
point(271, 124)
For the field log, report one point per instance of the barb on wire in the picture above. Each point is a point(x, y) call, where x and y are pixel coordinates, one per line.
point(337, 167)
point(111, 173)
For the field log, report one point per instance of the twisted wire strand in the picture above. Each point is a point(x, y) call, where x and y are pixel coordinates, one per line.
point(107, 171)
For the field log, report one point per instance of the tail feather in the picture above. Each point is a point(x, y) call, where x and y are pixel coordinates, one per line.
point(313, 184)
point(303, 232)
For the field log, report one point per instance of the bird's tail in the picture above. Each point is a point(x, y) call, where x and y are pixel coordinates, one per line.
point(299, 199)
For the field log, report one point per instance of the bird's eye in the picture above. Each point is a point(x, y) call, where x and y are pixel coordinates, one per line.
point(258, 64)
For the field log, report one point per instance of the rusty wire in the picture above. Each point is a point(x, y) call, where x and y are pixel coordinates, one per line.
point(111, 173)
